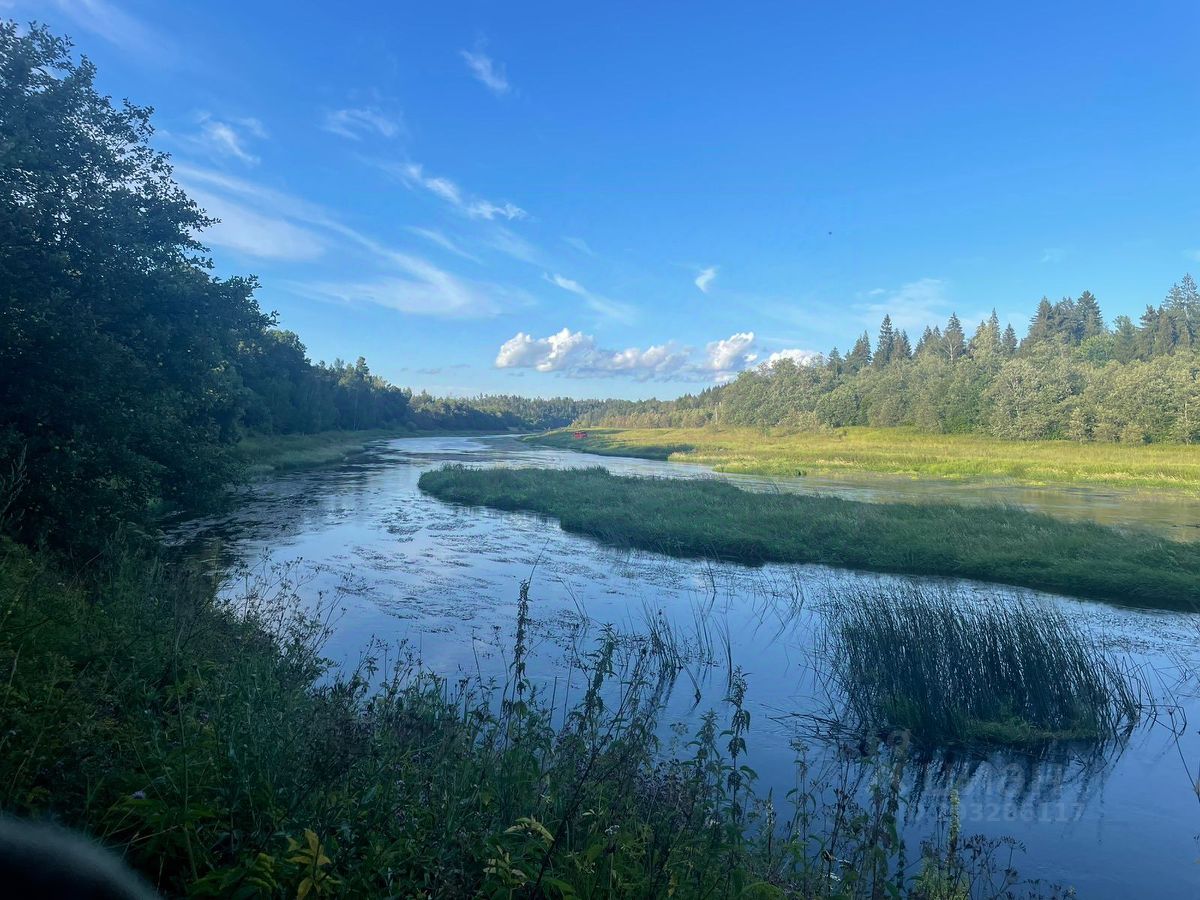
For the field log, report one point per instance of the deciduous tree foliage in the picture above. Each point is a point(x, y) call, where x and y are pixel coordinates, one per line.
point(116, 383)
point(128, 371)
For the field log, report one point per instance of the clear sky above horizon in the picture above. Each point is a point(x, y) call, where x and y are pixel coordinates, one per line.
point(630, 199)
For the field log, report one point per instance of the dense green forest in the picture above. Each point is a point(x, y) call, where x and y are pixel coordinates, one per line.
point(1070, 377)
point(128, 369)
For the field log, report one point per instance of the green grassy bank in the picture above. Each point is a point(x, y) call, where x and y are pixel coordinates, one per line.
point(268, 453)
point(704, 518)
point(211, 745)
point(900, 451)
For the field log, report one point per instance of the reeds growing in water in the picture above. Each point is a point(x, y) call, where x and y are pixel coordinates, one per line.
point(996, 670)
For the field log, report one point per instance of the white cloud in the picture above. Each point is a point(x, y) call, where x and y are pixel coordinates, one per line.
point(575, 354)
point(795, 355)
point(613, 309)
point(484, 209)
point(567, 284)
point(705, 279)
point(550, 354)
point(413, 175)
point(1053, 255)
point(353, 123)
point(730, 355)
point(487, 72)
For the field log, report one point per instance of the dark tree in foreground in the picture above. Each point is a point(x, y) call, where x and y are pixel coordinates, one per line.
point(114, 336)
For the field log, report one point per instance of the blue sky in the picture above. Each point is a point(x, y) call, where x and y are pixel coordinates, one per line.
point(631, 199)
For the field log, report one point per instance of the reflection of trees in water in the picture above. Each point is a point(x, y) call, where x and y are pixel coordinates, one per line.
point(277, 510)
point(1055, 783)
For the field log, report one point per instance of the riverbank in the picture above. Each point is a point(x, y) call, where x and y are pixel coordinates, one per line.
point(267, 453)
point(900, 451)
point(707, 518)
point(264, 454)
point(225, 757)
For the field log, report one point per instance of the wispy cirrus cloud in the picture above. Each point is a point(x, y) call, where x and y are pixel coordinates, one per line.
point(705, 279)
point(257, 233)
point(227, 137)
point(612, 309)
point(436, 237)
point(265, 223)
point(419, 287)
point(581, 245)
point(913, 305)
point(1053, 255)
point(355, 123)
point(487, 72)
point(574, 354)
point(111, 23)
point(414, 176)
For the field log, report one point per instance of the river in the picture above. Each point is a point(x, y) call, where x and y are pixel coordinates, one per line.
point(444, 580)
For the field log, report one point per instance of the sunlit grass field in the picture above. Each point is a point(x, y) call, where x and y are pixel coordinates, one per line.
point(900, 451)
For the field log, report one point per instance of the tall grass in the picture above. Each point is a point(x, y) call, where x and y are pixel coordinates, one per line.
point(709, 518)
point(212, 745)
point(950, 671)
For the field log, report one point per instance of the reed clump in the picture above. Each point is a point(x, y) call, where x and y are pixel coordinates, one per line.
point(994, 671)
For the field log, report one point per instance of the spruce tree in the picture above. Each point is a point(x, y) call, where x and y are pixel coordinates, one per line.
point(954, 341)
point(886, 345)
point(1088, 320)
point(860, 356)
point(1125, 340)
point(1008, 343)
point(1040, 326)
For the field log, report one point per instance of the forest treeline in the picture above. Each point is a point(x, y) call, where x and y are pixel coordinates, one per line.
point(1070, 377)
point(128, 369)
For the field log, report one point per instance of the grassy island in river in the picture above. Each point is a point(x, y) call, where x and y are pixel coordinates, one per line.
point(701, 518)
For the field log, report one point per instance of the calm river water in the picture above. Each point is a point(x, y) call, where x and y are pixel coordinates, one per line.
point(443, 579)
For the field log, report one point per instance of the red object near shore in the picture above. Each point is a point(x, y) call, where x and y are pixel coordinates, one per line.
point(579, 435)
